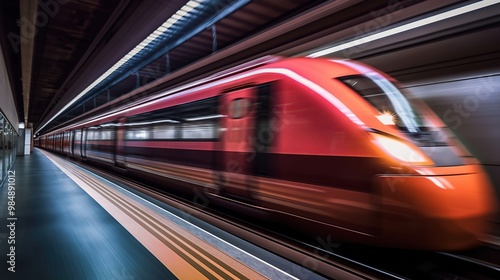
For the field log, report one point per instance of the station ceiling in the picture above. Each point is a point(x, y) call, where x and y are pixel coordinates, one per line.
point(55, 48)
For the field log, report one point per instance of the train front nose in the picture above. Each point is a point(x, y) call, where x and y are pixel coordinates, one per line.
point(447, 211)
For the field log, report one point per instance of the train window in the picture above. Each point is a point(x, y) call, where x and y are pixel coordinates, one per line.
point(387, 99)
point(239, 107)
point(164, 131)
point(199, 119)
point(107, 134)
point(137, 133)
point(78, 135)
point(98, 133)
point(190, 121)
point(92, 134)
point(199, 130)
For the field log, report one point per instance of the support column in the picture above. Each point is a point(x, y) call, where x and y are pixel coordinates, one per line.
point(214, 38)
point(27, 140)
point(167, 63)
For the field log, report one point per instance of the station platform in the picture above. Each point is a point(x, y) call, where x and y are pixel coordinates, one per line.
point(63, 222)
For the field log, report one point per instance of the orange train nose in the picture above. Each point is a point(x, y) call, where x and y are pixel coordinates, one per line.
point(435, 212)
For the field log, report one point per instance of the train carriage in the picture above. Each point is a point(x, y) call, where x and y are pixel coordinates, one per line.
point(331, 143)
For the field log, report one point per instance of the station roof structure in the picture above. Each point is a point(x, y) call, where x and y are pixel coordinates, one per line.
point(67, 60)
point(67, 57)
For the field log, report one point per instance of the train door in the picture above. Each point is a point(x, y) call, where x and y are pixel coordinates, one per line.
point(83, 146)
point(71, 142)
point(61, 143)
point(237, 142)
point(77, 143)
point(119, 143)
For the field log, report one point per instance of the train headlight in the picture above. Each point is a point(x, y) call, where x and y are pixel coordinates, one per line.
point(387, 118)
point(401, 150)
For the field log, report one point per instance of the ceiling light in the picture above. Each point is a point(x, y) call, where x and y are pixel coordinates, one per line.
point(160, 30)
point(407, 27)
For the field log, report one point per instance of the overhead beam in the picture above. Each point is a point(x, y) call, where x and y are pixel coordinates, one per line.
point(104, 31)
point(28, 10)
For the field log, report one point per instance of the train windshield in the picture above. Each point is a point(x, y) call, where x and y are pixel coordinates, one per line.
point(393, 106)
point(396, 110)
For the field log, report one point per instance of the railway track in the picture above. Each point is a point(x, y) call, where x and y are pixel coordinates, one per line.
point(323, 255)
point(423, 265)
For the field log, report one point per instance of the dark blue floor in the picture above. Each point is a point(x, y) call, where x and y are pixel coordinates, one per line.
point(62, 233)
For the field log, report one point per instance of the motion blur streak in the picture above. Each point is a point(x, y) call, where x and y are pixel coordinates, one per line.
point(407, 27)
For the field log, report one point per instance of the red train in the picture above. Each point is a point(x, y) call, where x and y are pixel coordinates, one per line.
point(331, 145)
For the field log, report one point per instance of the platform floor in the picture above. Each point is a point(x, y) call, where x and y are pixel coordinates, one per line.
point(63, 231)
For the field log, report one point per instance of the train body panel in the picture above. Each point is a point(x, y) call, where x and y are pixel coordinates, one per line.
point(328, 142)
